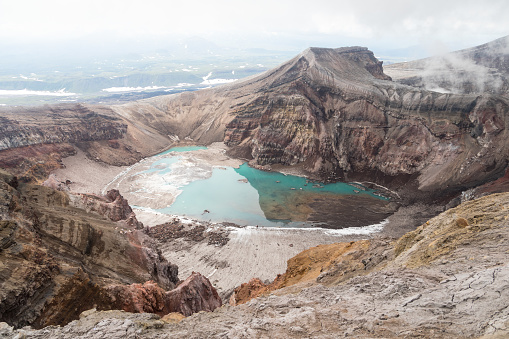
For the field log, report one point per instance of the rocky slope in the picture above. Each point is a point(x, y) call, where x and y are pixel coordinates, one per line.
point(334, 114)
point(478, 70)
point(61, 254)
point(75, 123)
point(448, 278)
point(329, 113)
point(33, 140)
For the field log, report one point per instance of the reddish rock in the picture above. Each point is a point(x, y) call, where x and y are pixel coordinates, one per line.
point(139, 298)
point(193, 295)
point(498, 186)
point(57, 258)
point(247, 291)
point(34, 163)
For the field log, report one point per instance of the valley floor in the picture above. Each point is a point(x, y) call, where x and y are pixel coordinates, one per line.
point(251, 252)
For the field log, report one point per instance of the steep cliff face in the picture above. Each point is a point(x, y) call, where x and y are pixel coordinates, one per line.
point(335, 115)
point(58, 259)
point(33, 140)
point(35, 162)
point(338, 121)
point(75, 123)
point(331, 113)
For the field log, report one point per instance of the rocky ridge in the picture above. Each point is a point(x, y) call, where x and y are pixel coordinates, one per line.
point(331, 114)
point(75, 123)
point(334, 115)
point(62, 254)
point(448, 278)
point(33, 140)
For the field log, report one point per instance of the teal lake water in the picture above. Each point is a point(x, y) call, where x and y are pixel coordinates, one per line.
point(245, 195)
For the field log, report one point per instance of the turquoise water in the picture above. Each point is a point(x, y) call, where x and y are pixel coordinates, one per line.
point(222, 197)
point(269, 183)
point(247, 196)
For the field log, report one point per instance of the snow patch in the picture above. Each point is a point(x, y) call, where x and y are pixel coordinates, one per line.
point(131, 89)
point(27, 92)
point(217, 81)
point(205, 78)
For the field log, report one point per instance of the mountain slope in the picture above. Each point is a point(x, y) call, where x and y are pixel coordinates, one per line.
point(334, 114)
point(331, 114)
point(62, 253)
point(448, 278)
point(476, 70)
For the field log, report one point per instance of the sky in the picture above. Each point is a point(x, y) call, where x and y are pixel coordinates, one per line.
point(287, 24)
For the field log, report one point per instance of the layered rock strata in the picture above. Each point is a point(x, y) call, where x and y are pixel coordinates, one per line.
point(448, 278)
point(112, 205)
point(333, 114)
point(58, 259)
point(64, 124)
point(33, 140)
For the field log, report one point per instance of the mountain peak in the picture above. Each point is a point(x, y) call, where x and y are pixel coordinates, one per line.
point(346, 62)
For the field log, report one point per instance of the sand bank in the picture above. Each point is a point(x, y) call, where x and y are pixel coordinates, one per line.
point(87, 176)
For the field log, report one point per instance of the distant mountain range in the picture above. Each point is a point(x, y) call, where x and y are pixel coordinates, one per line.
point(187, 65)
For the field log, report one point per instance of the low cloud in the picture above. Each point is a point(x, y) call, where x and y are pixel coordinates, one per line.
point(467, 72)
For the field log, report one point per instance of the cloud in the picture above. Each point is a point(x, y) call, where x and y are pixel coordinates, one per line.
point(467, 71)
point(367, 21)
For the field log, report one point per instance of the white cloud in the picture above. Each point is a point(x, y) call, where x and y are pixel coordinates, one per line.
point(369, 20)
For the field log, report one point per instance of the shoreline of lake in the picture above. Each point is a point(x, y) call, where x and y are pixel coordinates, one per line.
point(252, 252)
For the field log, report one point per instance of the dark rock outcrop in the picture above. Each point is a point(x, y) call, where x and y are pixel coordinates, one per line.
point(196, 293)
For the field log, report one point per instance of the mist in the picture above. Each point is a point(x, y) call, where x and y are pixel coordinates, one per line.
point(468, 71)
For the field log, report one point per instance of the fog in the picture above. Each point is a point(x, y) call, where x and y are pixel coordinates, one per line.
point(462, 72)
